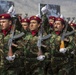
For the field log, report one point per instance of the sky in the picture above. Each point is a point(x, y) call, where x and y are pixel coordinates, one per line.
point(67, 7)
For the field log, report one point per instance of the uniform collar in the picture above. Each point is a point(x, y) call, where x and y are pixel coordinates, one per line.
point(34, 32)
point(58, 32)
point(5, 32)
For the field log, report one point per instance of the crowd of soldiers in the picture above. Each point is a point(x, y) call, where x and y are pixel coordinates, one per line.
point(37, 46)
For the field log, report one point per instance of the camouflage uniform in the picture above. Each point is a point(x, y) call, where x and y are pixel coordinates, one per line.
point(15, 67)
point(61, 63)
point(32, 65)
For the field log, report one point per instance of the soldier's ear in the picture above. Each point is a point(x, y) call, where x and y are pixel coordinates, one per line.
point(10, 22)
point(63, 26)
point(38, 25)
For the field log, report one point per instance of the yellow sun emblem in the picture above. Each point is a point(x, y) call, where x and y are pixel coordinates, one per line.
point(2, 16)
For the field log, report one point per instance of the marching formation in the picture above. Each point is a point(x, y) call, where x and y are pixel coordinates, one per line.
point(37, 46)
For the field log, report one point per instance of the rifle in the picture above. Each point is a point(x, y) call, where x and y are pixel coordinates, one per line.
point(65, 33)
point(10, 56)
point(39, 44)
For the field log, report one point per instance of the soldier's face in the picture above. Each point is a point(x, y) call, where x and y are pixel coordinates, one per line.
point(25, 25)
point(51, 21)
point(5, 23)
point(34, 25)
point(58, 26)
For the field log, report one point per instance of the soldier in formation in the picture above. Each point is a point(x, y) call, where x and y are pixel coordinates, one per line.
point(11, 53)
point(34, 51)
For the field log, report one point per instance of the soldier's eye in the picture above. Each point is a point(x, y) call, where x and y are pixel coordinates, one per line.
point(3, 21)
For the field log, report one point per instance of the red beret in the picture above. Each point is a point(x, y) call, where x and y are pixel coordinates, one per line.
point(73, 24)
point(52, 17)
point(5, 16)
point(60, 19)
point(35, 18)
point(25, 20)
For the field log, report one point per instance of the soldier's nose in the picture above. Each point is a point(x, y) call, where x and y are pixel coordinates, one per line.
point(31, 25)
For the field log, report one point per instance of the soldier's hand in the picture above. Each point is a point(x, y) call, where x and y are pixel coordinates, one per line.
point(63, 50)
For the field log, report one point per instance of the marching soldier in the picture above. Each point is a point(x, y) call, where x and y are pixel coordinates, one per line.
point(51, 21)
point(60, 50)
point(11, 61)
point(34, 48)
point(25, 24)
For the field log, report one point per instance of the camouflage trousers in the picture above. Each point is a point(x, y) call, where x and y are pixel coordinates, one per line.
point(63, 66)
point(15, 67)
point(34, 66)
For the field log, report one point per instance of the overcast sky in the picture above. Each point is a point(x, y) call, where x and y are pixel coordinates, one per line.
point(68, 7)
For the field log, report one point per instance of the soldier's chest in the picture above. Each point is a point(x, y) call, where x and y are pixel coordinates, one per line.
point(4, 39)
point(55, 39)
point(31, 42)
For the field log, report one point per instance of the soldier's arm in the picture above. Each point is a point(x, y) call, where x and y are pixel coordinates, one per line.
point(70, 44)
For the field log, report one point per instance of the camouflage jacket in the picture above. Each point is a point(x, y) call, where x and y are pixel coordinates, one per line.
point(55, 42)
point(57, 59)
point(33, 65)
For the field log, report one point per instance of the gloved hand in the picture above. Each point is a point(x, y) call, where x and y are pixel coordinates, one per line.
point(10, 58)
point(41, 57)
point(62, 50)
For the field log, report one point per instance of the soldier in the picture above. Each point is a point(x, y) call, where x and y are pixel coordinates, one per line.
point(73, 26)
point(51, 21)
point(61, 50)
point(36, 30)
point(25, 24)
point(34, 54)
point(11, 62)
